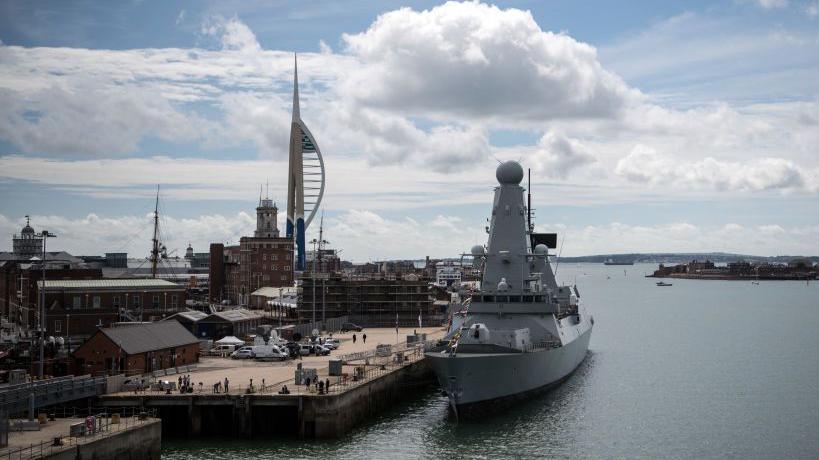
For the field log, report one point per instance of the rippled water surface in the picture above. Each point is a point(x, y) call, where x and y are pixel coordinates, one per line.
point(701, 369)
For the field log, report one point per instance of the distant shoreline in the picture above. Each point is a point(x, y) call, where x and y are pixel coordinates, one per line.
point(793, 277)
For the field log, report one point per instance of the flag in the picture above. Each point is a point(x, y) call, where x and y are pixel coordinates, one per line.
point(419, 320)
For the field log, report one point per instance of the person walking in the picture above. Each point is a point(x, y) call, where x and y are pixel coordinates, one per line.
point(364, 337)
point(353, 338)
point(227, 382)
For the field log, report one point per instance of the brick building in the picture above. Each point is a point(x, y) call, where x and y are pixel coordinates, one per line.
point(261, 260)
point(19, 295)
point(80, 307)
point(136, 349)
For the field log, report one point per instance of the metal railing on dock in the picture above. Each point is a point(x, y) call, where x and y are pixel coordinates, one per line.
point(97, 423)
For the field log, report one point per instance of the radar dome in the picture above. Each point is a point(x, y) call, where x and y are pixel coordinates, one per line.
point(509, 173)
point(541, 250)
point(477, 250)
point(503, 286)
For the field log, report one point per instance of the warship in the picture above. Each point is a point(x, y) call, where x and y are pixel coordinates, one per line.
point(520, 333)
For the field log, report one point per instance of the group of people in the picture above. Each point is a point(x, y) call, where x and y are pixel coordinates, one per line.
point(217, 387)
point(321, 385)
point(185, 385)
point(363, 337)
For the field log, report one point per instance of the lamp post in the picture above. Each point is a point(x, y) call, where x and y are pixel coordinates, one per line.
point(45, 234)
point(313, 278)
point(279, 308)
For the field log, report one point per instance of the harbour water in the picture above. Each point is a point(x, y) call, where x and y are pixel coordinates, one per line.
point(701, 369)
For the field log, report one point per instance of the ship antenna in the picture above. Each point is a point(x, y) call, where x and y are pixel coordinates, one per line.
point(559, 253)
point(529, 202)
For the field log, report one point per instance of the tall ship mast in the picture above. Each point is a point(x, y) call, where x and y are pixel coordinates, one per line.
point(155, 240)
point(522, 333)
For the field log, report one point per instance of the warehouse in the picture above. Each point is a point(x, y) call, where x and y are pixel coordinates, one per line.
point(136, 348)
point(239, 322)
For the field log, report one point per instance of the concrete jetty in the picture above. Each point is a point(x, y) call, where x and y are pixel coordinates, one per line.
point(133, 437)
point(368, 382)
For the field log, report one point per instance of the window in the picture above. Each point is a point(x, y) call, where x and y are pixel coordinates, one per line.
point(274, 257)
point(264, 256)
point(514, 298)
point(527, 298)
point(488, 298)
point(116, 301)
point(273, 268)
point(174, 301)
point(284, 277)
point(77, 301)
point(97, 301)
point(136, 301)
point(540, 298)
point(58, 326)
point(503, 298)
point(156, 301)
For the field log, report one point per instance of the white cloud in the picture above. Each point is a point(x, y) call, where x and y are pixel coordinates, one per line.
point(476, 60)
point(772, 4)
point(556, 155)
point(92, 234)
point(645, 165)
point(232, 33)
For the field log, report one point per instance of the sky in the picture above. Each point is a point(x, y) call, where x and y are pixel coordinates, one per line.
point(648, 126)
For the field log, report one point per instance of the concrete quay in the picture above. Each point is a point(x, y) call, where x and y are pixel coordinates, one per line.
point(366, 386)
point(132, 438)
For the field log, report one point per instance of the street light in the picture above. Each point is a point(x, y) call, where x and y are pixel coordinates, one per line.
point(45, 234)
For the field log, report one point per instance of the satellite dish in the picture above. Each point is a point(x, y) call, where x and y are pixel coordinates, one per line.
point(316, 332)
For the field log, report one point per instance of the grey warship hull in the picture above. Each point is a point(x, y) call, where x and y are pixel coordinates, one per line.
point(479, 382)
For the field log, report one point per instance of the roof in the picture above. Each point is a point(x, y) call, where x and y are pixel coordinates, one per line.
point(190, 315)
point(273, 292)
point(141, 337)
point(239, 314)
point(134, 283)
point(229, 340)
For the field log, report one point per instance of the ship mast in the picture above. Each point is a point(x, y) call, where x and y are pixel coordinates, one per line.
point(155, 240)
point(529, 202)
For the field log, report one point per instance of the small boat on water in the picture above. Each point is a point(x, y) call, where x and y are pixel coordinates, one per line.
point(755, 282)
point(663, 283)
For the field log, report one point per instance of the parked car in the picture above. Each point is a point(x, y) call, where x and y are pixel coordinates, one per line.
point(244, 353)
point(332, 344)
point(321, 350)
point(313, 349)
point(346, 327)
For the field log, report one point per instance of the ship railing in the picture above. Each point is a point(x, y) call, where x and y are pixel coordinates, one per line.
point(540, 346)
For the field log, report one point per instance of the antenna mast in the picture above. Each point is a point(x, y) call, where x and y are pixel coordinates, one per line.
point(529, 202)
point(155, 240)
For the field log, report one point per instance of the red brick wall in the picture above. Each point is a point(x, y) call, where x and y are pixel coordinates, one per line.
point(94, 352)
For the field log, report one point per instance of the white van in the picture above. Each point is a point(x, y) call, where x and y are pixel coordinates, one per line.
point(269, 352)
point(223, 350)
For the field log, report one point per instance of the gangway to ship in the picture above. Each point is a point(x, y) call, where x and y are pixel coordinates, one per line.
point(22, 397)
